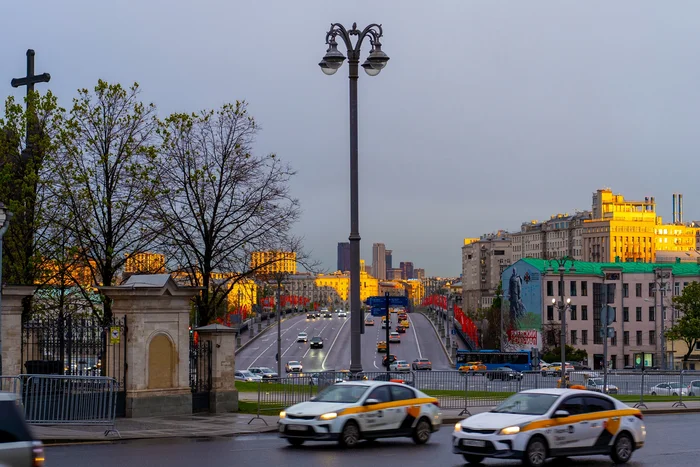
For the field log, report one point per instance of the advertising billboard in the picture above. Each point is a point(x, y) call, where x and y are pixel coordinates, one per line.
point(522, 307)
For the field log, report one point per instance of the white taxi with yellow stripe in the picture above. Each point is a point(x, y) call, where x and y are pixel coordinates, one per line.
point(354, 410)
point(538, 424)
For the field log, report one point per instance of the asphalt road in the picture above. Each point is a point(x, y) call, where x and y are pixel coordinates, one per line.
point(419, 341)
point(671, 441)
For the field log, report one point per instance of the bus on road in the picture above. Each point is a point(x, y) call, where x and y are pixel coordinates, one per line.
point(520, 360)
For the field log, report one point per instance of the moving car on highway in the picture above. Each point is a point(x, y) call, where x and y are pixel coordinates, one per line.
point(316, 342)
point(421, 364)
point(694, 388)
point(311, 316)
point(293, 366)
point(596, 384)
point(394, 337)
point(538, 424)
point(405, 323)
point(388, 360)
point(668, 389)
point(18, 448)
point(264, 372)
point(381, 346)
point(368, 321)
point(399, 365)
point(342, 314)
point(474, 368)
point(355, 410)
point(302, 337)
point(504, 374)
point(245, 375)
point(400, 329)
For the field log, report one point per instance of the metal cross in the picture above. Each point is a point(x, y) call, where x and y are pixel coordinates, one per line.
point(31, 79)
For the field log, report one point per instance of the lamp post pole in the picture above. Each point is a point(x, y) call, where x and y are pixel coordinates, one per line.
point(561, 263)
point(5, 217)
point(330, 63)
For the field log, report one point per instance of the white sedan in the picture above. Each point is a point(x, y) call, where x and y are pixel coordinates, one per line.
point(245, 375)
point(400, 365)
point(537, 424)
point(351, 411)
point(668, 389)
point(293, 366)
point(342, 314)
point(302, 337)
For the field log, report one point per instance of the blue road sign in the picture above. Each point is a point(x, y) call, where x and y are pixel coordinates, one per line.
point(381, 301)
point(453, 332)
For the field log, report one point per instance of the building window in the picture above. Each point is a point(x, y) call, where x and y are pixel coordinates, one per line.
point(613, 361)
point(550, 313)
point(652, 337)
point(638, 290)
point(626, 338)
point(573, 312)
point(584, 337)
point(625, 290)
point(677, 288)
point(572, 288)
point(584, 288)
point(550, 289)
point(613, 340)
point(560, 288)
point(652, 313)
point(639, 337)
point(574, 340)
point(625, 313)
point(627, 360)
point(639, 313)
point(584, 312)
point(651, 289)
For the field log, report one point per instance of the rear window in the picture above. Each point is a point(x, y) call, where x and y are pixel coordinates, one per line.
point(12, 426)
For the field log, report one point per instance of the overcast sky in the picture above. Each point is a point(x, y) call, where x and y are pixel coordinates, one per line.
point(488, 114)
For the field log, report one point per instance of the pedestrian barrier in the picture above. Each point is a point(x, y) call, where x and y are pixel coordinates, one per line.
point(12, 384)
point(280, 393)
point(70, 400)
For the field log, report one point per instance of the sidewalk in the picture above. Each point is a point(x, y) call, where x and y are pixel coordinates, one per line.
point(226, 425)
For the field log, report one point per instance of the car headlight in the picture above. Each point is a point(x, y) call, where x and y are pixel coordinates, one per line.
point(458, 427)
point(328, 416)
point(510, 430)
point(283, 414)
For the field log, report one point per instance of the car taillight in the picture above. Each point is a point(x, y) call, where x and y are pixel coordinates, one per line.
point(639, 416)
point(38, 456)
point(436, 404)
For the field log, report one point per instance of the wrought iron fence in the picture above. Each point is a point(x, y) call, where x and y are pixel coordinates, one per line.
point(200, 374)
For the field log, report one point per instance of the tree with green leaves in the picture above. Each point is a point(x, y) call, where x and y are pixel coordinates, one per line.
point(222, 202)
point(572, 354)
point(25, 177)
point(102, 177)
point(687, 327)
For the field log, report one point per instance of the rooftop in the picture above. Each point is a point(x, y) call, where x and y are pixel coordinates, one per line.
point(585, 268)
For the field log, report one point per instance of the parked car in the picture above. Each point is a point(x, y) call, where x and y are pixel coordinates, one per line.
point(381, 346)
point(245, 375)
point(316, 342)
point(264, 372)
point(368, 322)
point(504, 374)
point(302, 337)
point(400, 329)
point(421, 364)
point(388, 360)
point(596, 384)
point(342, 314)
point(694, 388)
point(394, 337)
point(668, 389)
point(400, 365)
point(293, 366)
point(18, 448)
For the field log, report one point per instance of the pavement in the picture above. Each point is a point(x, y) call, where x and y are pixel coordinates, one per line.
point(234, 424)
point(671, 441)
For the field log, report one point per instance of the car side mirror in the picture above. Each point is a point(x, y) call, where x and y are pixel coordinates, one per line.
point(372, 401)
point(561, 414)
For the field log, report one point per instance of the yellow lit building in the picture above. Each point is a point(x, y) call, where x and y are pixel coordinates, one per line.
point(145, 263)
point(243, 295)
point(340, 282)
point(672, 237)
point(269, 262)
point(68, 274)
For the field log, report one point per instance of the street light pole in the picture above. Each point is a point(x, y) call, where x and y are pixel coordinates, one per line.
point(279, 329)
point(5, 217)
point(375, 62)
point(561, 263)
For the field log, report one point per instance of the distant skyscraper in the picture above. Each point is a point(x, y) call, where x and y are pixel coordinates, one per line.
point(343, 256)
point(406, 270)
point(379, 261)
point(419, 273)
point(388, 263)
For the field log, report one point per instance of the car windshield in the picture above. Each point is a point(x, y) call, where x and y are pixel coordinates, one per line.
point(294, 363)
point(596, 381)
point(402, 362)
point(266, 370)
point(527, 404)
point(316, 339)
point(245, 373)
point(302, 333)
point(342, 393)
point(675, 385)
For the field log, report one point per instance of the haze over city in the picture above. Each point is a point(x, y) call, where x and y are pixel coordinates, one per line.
point(488, 114)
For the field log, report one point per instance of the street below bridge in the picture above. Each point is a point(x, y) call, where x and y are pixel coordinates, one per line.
point(419, 341)
point(671, 441)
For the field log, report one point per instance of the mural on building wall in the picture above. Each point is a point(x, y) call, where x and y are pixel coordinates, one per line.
point(522, 307)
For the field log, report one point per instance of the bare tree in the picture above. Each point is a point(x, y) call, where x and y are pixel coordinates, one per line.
point(223, 203)
point(103, 178)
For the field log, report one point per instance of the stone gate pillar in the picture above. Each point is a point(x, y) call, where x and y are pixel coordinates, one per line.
point(12, 296)
point(157, 343)
point(223, 396)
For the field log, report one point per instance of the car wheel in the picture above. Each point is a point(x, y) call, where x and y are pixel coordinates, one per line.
point(622, 449)
point(691, 394)
point(536, 452)
point(421, 433)
point(473, 459)
point(653, 393)
point(675, 394)
point(350, 435)
point(295, 441)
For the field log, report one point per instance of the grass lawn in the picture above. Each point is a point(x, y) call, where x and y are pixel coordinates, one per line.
point(252, 408)
point(244, 386)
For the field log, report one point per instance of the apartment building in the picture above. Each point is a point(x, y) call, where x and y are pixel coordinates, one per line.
point(483, 261)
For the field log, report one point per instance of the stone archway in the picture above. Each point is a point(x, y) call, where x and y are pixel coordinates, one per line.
point(161, 362)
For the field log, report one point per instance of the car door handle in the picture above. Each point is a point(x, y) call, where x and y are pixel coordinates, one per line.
point(584, 423)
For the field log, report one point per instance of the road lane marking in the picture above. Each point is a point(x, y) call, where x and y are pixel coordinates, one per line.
point(270, 346)
point(323, 363)
point(294, 342)
point(420, 354)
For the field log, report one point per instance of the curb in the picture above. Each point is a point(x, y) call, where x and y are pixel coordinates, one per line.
point(442, 343)
point(255, 337)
